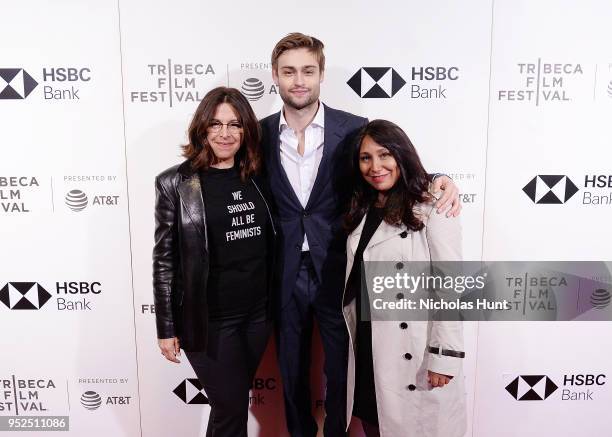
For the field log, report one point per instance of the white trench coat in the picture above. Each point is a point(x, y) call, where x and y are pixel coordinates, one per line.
point(407, 405)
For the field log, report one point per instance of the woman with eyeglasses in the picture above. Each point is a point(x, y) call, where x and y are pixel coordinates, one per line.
point(213, 256)
point(404, 377)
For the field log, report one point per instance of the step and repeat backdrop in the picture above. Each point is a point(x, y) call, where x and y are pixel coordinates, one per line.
point(513, 99)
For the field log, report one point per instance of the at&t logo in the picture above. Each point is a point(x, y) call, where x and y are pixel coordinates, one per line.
point(91, 400)
point(77, 200)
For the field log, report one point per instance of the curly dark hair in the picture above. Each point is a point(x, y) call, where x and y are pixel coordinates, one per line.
point(198, 150)
point(410, 189)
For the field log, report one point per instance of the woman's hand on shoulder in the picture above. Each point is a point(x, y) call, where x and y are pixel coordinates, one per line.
point(170, 348)
point(438, 379)
point(449, 196)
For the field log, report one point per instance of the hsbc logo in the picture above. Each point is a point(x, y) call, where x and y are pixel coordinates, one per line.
point(550, 189)
point(376, 82)
point(58, 83)
point(15, 84)
point(531, 387)
point(427, 82)
point(190, 392)
point(24, 295)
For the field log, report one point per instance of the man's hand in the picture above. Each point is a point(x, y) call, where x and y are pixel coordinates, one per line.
point(438, 379)
point(450, 196)
point(170, 348)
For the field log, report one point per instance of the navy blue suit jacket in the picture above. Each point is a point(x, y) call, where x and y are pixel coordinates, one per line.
point(321, 219)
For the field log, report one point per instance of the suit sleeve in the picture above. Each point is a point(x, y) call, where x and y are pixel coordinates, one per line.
point(444, 240)
point(164, 259)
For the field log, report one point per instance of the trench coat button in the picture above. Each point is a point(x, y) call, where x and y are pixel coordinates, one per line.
point(404, 234)
point(404, 325)
point(408, 356)
point(399, 266)
point(399, 296)
point(412, 387)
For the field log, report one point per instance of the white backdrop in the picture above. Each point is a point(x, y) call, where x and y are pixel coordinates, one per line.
point(519, 89)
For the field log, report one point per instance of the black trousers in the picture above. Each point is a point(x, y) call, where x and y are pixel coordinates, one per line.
point(226, 370)
point(295, 323)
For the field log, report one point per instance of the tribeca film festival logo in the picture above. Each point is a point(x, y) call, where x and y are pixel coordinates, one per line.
point(576, 387)
point(14, 192)
point(386, 82)
point(558, 189)
point(70, 296)
point(175, 83)
point(25, 396)
point(59, 83)
point(544, 82)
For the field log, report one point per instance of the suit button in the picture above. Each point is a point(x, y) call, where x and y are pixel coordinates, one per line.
point(399, 266)
point(404, 325)
point(399, 296)
point(404, 234)
point(408, 356)
point(412, 387)
point(305, 214)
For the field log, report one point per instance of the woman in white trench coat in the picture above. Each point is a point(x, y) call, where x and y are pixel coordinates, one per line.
point(404, 377)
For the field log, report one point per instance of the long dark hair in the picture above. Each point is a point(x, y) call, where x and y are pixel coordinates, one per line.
point(198, 150)
point(410, 188)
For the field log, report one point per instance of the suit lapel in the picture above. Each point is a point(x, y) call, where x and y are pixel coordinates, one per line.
point(274, 136)
point(190, 192)
point(331, 138)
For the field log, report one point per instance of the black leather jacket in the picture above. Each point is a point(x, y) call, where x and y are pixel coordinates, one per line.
point(181, 257)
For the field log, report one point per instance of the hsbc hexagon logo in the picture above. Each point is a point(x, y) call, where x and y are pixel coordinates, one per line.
point(531, 387)
point(376, 82)
point(15, 84)
point(550, 189)
point(24, 295)
point(190, 392)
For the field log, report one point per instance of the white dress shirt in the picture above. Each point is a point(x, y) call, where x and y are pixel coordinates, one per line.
point(302, 170)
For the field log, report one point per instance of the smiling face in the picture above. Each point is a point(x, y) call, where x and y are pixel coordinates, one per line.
point(298, 76)
point(225, 142)
point(378, 167)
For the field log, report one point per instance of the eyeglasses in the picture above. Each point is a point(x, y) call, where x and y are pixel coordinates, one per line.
point(233, 127)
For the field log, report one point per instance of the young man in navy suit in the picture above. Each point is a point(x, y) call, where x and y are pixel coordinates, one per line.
point(306, 149)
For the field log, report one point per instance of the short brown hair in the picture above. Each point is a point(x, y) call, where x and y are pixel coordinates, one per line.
point(298, 40)
point(199, 151)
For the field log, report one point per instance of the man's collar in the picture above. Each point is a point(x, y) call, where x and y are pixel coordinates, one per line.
point(318, 120)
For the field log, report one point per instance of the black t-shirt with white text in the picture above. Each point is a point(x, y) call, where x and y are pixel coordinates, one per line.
point(237, 221)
